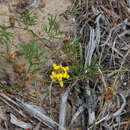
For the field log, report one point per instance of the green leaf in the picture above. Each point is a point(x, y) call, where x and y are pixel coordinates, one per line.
point(28, 19)
point(53, 29)
point(32, 51)
point(5, 36)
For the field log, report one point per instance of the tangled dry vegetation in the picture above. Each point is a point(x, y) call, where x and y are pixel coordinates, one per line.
point(76, 80)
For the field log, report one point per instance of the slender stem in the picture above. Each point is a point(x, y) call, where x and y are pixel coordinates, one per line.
point(50, 97)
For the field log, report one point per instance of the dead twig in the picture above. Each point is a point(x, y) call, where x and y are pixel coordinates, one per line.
point(63, 105)
point(33, 112)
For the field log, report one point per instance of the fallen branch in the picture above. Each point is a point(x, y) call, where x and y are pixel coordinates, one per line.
point(33, 112)
point(63, 105)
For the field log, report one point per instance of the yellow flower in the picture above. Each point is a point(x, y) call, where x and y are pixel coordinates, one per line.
point(59, 73)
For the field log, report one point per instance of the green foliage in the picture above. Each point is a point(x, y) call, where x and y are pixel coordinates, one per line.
point(75, 52)
point(32, 52)
point(92, 68)
point(5, 35)
point(53, 29)
point(28, 19)
point(79, 70)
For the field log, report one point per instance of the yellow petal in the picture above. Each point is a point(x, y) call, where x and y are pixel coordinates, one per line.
point(65, 68)
point(59, 76)
point(60, 66)
point(53, 74)
point(61, 83)
point(54, 80)
point(55, 66)
point(67, 76)
point(64, 75)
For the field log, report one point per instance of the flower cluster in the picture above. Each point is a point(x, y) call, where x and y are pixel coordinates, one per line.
point(59, 73)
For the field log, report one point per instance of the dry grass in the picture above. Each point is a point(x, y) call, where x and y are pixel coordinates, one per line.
point(97, 51)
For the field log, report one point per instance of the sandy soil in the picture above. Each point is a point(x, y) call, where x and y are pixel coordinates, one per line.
point(42, 9)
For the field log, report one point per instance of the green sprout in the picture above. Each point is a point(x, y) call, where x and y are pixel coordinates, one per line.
point(5, 35)
point(28, 19)
point(32, 52)
point(75, 51)
point(53, 29)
